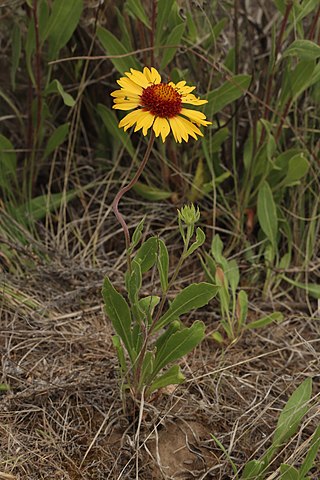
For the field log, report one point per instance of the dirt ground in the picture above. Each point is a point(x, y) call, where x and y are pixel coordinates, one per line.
point(62, 416)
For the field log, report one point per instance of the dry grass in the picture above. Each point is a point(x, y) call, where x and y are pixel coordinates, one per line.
point(62, 417)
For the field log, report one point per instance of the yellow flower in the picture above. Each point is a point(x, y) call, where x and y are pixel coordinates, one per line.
point(158, 105)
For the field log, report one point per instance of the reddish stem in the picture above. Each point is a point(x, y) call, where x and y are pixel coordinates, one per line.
point(127, 188)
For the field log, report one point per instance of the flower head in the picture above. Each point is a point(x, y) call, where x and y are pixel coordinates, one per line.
point(158, 105)
point(189, 214)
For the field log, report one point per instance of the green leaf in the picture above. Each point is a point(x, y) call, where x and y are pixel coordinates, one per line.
point(173, 376)
point(163, 12)
point(38, 207)
point(262, 322)
point(304, 49)
point(63, 21)
point(298, 167)
point(151, 193)
point(56, 87)
point(118, 311)
point(174, 38)
point(296, 81)
point(292, 414)
point(252, 470)
point(146, 256)
point(311, 288)
point(8, 163)
point(122, 61)
point(217, 248)
point(217, 337)
point(288, 472)
point(233, 275)
point(111, 123)
point(249, 146)
point(191, 297)
point(179, 344)
point(137, 234)
point(230, 91)
point(134, 282)
point(163, 265)
point(242, 308)
point(43, 18)
point(56, 139)
point(16, 52)
point(4, 387)
point(200, 239)
point(267, 213)
point(148, 304)
point(312, 453)
point(174, 327)
point(196, 191)
point(136, 10)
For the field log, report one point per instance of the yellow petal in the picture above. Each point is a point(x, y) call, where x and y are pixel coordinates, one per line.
point(129, 86)
point(125, 95)
point(182, 130)
point(191, 128)
point(130, 119)
point(175, 129)
point(138, 77)
point(161, 127)
point(196, 117)
point(126, 105)
point(180, 84)
point(145, 122)
point(192, 99)
point(152, 75)
point(185, 90)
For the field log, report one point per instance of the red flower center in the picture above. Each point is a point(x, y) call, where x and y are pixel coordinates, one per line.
point(161, 100)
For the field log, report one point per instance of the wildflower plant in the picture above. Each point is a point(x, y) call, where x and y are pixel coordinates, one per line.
point(149, 333)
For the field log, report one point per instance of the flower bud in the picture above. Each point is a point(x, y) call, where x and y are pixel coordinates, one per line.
point(189, 214)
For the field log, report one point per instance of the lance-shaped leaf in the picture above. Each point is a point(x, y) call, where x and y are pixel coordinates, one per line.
point(230, 91)
point(170, 330)
point(242, 308)
point(288, 472)
point(172, 42)
point(292, 414)
point(178, 345)
point(173, 376)
point(56, 139)
point(137, 234)
point(118, 311)
point(267, 213)
point(63, 21)
point(147, 254)
point(200, 238)
point(312, 453)
point(252, 470)
point(118, 52)
point(163, 265)
point(275, 317)
point(193, 296)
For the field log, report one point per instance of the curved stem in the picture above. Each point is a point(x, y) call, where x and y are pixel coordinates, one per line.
point(127, 188)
